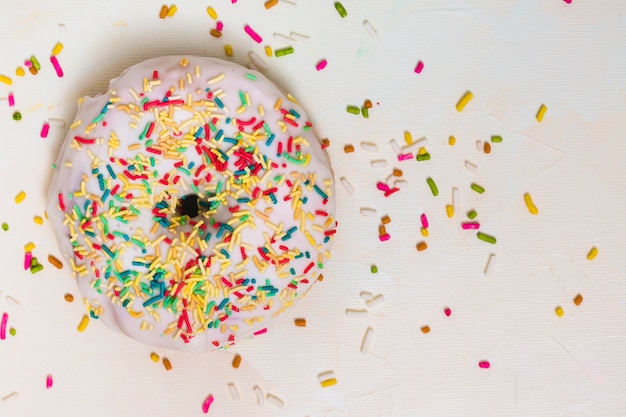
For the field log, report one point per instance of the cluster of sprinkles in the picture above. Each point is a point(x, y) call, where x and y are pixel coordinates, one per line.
point(191, 280)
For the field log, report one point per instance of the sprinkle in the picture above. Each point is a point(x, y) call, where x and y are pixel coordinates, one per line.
point(48, 381)
point(234, 392)
point(449, 210)
point(340, 9)
point(346, 184)
point(211, 12)
point(370, 29)
point(375, 301)
point(470, 225)
point(228, 50)
point(385, 219)
point(578, 299)
point(477, 188)
point(17, 116)
point(486, 238)
point(529, 203)
point(154, 357)
point(327, 379)
point(28, 259)
point(56, 66)
point(255, 36)
point(260, 398)
point(348, 148)
point(236, 361)
point(424, 220)
point(3, 326)
point(275, 400)
point(328, 382)
point(368, 212)
point(283, 51)
point(369, 146)
point(163, 12)
point(419, 67)
point(541, 112)
point(355, 313)
point(11, 395)
point(472, 214)
point(433, 186)
point(491, 264)
point(12, 331)
point(207, 403)
point(321, 64)
point(270, 3)
point(496, 139)
point(353, 109)
point(172, 10)
point(423, 157)
point(20, 197)
point(58, 47)
point(487, 147)
point(424, 231)
point(19, 71)
point(367, 339)
point(68, 297)
point(29, 247)
point(460, 105)
point(559, 311)
point(451, 140)
point(425, 329)
point(11, 99)
point(378, 163)
point(471, 167)
point(593, 252)
point(421, 246)
point(44, 130)
point(83, 323)
point(257, 61)
point(447, 311)
point(6, 80)
point(5, 226)
point(484, 364)
point(374, 269)
point(167, 364)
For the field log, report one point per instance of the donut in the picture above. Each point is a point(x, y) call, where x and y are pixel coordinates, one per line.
point(193, 202)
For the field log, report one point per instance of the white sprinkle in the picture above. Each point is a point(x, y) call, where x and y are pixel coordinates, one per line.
point(491, 264)
point(284, 38)
point(415, 145)
point(471, 167)
point(299, 37)
point(234, 392)
point(395, 146)
point(11, 395)
point(369, 146)
point(288, 3)
point(275, 400)
point(355, 313)
point(375, 301)
point(346, 184)
point(400, 183)
point(260, 399)
point(367, 338)
point(455, 199)
point(13, 300)
point(53, 122)
point(366, 295)
point(326, 375)
point(378, 163)
point(257, 61)
point(370, 29)
point(479, 145)
point(368, 212)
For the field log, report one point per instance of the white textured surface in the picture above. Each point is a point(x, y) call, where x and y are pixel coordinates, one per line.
point(514, 56)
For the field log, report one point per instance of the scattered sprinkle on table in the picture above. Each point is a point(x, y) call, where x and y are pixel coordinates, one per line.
point(154, 357)
point(167, 364)
point(593, 252)
point(432, 186)
point(484, 364)
point(478, 188)
point(541, 112)
point(49, 381)
point(321, 64)
point(300, 322)
point(284, 51)
point(206, 405)
point(367, 339)
point(421, 246)
point(83, 323)
point(460, 105)
point(496, 138)
point(340, 9)
point(419, 67)
point(236, 361)
point(68, 297)
point(559, 311)
point(486, 238)
point(425, 329)
point(578, 299)
point(530, 204)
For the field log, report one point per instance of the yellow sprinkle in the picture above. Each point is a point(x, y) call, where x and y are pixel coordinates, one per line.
point(211, 12)
point(83, 323)
point(541, 112)
point(529, 203)
point(5, 79)
point(268, 51)
point(422, 151)
point(163, 12)
point(38, 220)
point(329, 382)
point(592, 253)
point(449, 210)
point(19, 71)
point(451, 141)
point(559, 311)
point(29, 247)
point(155, 358)
point(228, 50)
point(20, 197)
point(464, 100)
point(424, 231)
point(57, 49)
point(167, 364)
point(407, 137)
point(172, 10)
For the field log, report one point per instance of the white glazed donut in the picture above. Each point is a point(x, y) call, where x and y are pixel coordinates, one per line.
point(193, 202)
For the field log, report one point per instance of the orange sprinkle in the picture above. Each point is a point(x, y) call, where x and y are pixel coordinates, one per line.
point(421, 246)
point(167, 364)
point(382, 230)
point(397, 172)
point(163, 12)
point(425, 329)
point(367, 104)
point(68, 297)
point(385, 219)
point(215, 33)
point(320, 277)
point(487, 147)
point(578, 299)
point(33, 70)
point(300, 322)
point(325, 143)
point(55, 262)
point(236, 361)
point(270, 3)
point(348, 148)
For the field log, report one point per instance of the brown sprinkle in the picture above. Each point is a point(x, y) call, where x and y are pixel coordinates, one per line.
point(385, 219)
point(397, 172)
point(367, 104)
point(68, 297)
point(54, 261)
point(167, 364)
point(578, 299)
point(300, 322)
point(421, 246)
point(348, 148)
point(236, 361)
point(425, 329)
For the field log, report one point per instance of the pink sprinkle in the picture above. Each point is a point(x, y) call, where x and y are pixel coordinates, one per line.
point(57, 67)
point(419, 67)
point(258, 332)
point(3, 326)
point(382, 186)
point(484, 364)
point(470, 225)
point(404, 156)
point(255, 36)
point(321, 65)
point(385, 237)
point(49, 382)
point(207, 404)
point(424, 220)
point(28, 64)
point(447, 311)
point(568, 1)
point(219, 26)
point(44, 130)
point(28, 260)
point(11, 100)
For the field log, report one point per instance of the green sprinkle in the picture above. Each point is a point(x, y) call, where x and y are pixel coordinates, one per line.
point(35, 268)
point(17, 116)
point(477, 188)
point(250, 76)
point(5, 226)
point(35, 62)
point(496, 139)
point(423, 157)
point(284, 51)
point(472, 214)
point(486, 238)
point(340, 9)
point(353, 110)
point(433, 186)
point(365, 112)
point(12, 331)
point(374, 269)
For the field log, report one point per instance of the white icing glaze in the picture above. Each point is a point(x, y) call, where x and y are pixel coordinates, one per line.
point(121, 255)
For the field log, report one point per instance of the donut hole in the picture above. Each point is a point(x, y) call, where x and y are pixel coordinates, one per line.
point(191, 205)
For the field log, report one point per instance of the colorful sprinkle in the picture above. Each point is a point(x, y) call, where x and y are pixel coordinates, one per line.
point(460, 105)
point(472, 214)
point(300, 322)
point(3, 326)
point(593, 252)
point(284, 51)
point(68, 297)
point(236, 361)
point(447, 311)
point(255, 36)
point(340, 9)
point(486, 238)
point(211, 12)
point(6, 80)
point(530, 205)
point(5, 226)
point(373, 269)
point(44, 130)
point(167, 364)
point(419, 67)
point(17, 116)
point(83, 323)
point(353, 109)
point(58, 47)
point(559, 311)
point(470, 225)
point(48, 381)
point(270, 3)
point(424, 220)
point(484, 364)
point(321, 64)
point(154, 357)
point(451, 140)
point(207, 403)
point(56, 66)
point(541, 112)
point(20, 197)
point(425, 329)
point(479, 189)
point(578, 299)
point(496, 139)
point(421, 246)
point(432, 186)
